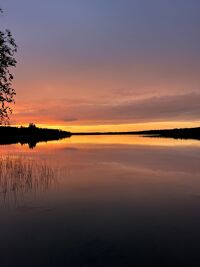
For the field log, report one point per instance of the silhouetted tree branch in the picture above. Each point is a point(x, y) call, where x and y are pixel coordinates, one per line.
point(8, 48)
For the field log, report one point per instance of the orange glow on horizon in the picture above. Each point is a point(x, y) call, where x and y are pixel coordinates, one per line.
point(116, 127)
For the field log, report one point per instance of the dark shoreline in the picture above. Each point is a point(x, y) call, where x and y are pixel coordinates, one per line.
point(33, 135)
point(29, 135)
point(181, 133)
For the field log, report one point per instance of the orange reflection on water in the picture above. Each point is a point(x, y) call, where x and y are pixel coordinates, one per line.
point(120, 140)
point(99, 141)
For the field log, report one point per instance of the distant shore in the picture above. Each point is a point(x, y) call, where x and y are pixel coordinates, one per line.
point(32, 135)
point(182, 133)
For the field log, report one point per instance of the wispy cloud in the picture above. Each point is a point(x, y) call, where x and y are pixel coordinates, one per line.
point(134, 110)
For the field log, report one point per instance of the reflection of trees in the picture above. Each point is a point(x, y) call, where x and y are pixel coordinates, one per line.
point(20, 176)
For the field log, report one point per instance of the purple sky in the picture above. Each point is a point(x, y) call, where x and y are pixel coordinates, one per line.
point(105, 61)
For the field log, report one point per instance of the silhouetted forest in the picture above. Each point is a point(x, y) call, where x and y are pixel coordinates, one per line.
point(184, 133)
point(29, 135)
point(32, 135)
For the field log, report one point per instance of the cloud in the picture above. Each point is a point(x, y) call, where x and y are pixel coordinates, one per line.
point(69, 119)
point(157, 108)
point(177, 107)
point(185, 106)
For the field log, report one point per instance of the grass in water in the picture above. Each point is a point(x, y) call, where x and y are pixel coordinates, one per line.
point(20, 176)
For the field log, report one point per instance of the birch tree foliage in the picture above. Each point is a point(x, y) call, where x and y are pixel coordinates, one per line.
point(8, 48)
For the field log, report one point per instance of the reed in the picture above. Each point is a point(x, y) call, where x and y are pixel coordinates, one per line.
point(20, 175)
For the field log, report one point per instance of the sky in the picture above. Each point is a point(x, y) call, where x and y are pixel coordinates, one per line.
point(106, 64)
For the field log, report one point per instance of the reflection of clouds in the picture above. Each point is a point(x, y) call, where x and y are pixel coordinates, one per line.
point(177, 160)
point(20, 176)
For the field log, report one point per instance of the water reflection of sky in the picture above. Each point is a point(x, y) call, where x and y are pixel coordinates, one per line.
point(117, 204)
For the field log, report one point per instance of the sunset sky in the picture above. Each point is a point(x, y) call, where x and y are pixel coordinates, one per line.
point(106, 64)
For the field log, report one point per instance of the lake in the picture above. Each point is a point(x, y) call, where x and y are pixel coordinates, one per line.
point(100, 201)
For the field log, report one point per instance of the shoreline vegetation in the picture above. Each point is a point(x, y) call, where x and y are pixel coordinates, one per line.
point(178, 133)
point(32, 135)
point(29, 135)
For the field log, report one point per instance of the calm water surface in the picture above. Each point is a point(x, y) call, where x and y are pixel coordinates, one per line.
point(100, 201)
